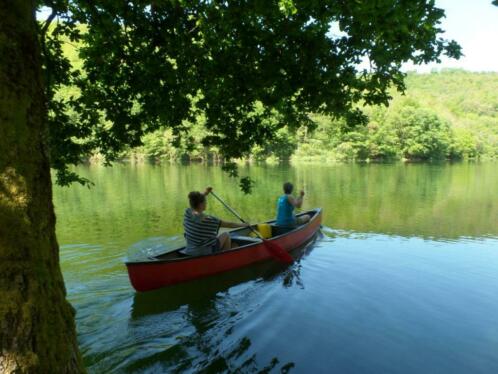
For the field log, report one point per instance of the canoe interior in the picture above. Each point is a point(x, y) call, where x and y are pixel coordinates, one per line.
point(240, 237)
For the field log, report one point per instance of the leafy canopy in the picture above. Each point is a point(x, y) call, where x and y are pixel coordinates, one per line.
point(162, 63)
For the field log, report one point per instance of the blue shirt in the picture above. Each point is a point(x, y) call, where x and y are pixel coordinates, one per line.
point(285, 212)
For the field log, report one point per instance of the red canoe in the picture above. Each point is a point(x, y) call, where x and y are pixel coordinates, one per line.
point(174, 267)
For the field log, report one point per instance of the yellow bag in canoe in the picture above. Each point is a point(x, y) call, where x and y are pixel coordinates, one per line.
point(264, 229)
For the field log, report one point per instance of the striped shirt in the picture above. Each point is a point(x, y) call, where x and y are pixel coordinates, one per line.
point(201, 230)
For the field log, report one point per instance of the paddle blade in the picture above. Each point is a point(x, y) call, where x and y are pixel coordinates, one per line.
point(278, 252)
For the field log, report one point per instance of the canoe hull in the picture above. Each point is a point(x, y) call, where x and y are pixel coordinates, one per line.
point(146, 276)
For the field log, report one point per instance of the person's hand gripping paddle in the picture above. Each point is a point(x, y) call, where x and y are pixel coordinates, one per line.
point(274, 249)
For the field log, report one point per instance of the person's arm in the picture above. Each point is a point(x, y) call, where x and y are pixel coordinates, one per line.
point(233, 225)
point(297, 202)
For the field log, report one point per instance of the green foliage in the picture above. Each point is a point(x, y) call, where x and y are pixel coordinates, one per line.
point(246, 184)
point(281, 147)
point(450, 114)
point(447, 115)
point(248, 68)
point(159, 145)
point(421, 135)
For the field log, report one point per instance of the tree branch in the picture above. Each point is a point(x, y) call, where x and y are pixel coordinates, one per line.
point(48, 22)
point(45, 53)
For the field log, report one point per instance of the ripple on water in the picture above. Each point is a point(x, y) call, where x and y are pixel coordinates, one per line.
point(350, 295)
point(405, 282)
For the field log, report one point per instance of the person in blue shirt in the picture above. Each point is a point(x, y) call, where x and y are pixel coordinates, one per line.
point(285, 208)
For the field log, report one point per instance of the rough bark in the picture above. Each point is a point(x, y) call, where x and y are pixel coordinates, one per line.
point(37, 330)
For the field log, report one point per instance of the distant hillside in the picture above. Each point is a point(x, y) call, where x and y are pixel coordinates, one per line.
point(468, 101)
point(451, 114)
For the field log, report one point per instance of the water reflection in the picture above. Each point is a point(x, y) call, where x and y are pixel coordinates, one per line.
point(199, 290)
point(211, 309)
point(407, 263)
point(173, 297)
point(439, 201)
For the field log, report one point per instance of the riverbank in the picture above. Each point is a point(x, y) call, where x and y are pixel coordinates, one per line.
point(273, 161)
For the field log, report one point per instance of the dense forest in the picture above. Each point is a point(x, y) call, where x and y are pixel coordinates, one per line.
point(447, 114)
point(451, 114)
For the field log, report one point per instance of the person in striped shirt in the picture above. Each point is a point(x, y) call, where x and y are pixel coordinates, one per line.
point(201, 230)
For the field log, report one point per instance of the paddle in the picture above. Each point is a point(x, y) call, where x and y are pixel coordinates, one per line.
point(274, 249)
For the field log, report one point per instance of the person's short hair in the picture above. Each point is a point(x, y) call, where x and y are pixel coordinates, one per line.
point(288, 187)
point(195, 199)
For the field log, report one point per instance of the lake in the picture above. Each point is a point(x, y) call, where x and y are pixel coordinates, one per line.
point(402, 279)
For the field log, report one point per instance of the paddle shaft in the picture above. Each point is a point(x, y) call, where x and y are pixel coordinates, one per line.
point(230, 209)
point(274, 249)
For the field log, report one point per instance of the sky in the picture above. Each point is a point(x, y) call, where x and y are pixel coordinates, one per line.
point(472, 23)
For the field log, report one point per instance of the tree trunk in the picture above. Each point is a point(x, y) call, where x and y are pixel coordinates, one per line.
point(37, 330)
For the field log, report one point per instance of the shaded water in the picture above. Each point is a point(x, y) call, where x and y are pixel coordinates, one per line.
point(404, 278)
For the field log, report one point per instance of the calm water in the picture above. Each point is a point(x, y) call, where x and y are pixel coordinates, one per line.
point(403, 279)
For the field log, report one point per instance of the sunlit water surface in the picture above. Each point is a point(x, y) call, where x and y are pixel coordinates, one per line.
point(402, 279)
